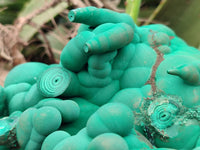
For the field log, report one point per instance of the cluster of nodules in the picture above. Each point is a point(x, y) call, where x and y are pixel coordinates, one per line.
point(91, 100)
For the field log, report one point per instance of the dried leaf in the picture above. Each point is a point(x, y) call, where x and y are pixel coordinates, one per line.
point(28, 31)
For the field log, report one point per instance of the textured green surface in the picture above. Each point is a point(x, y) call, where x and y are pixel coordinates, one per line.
point(117, 37)
point(109, 118)
point(35, 124)
point(181, 134)
point(89, 15)
point(27, 72)
point(53, 139)
point(108, 141)
point(53, 81)
point(74, 47)
point(23, 100)
point(86, 110)
point(131, 79)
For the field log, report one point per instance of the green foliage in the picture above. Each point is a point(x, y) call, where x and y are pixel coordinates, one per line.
point(9, 10)
point(28, 31)
point(133, 8)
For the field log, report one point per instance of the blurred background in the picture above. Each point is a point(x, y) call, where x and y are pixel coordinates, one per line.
point(37, 30)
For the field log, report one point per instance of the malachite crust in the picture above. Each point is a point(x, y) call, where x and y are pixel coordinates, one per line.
point(118, 86)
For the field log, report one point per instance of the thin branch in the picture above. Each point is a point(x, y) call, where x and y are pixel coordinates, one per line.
point(48, 47)
point(142, 20)
point(2, 9)
point(20, 22)
point(110, 5)
point(77, 3)
point(18, 57)
point(87, 2)
point(5, 56)
point(9, 44)
point(97, 3)
point(12, 44)
point(155, 12)
point(74, 32)
point(54, 23)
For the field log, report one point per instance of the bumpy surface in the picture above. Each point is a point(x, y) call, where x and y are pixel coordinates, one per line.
point(117, 87)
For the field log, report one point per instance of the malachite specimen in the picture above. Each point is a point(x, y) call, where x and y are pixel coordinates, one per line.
point(53, 81)
point(118, 36)
point(109, 118)
point(27, 73)
point(117, 87)
point(94, 17)
point(8, 130)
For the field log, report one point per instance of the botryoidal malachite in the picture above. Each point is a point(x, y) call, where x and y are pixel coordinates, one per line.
point(118, 86)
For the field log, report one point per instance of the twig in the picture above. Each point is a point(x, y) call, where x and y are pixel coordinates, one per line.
point(12, 44)
point(74, 32)
point(155, 12)
point(54, 23)
point(17, 56)
point(97, 3)
point(2, 9)
point(142, 20)
point(87, 2)
point(77, 3)
point(20, 22)
point(5, 56)
point(56, 27)
point(110, 5)
point(48, 47)
point(9, 45)
point(64, 13)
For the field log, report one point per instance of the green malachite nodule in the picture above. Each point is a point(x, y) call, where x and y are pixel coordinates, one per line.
point(74, 47)
point(53, 81)
point(117, 37)
point(115, 141)
point(93, 17)
point(27, 73)
point(118, 86)
point(109, 118)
